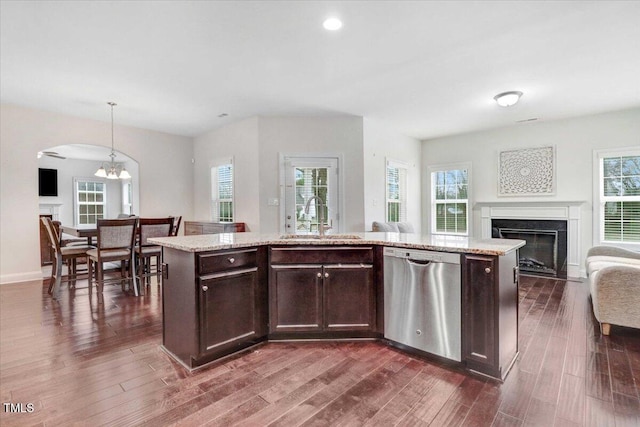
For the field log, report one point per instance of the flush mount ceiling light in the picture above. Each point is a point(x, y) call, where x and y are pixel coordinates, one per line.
point(507, 99)
point(332, 24)
point(112, 170)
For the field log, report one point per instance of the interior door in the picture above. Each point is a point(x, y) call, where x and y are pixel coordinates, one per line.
point(306, 177)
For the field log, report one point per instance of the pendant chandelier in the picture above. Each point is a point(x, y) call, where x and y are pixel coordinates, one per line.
point(112, 170)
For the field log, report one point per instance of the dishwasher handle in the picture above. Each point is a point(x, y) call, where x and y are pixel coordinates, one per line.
point(421, 262)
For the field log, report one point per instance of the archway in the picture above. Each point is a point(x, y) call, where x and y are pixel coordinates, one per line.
point(74, 163)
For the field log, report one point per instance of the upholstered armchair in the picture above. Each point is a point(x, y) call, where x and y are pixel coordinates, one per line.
point(614, 280)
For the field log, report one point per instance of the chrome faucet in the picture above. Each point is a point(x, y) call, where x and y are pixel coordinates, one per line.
point(321, 226)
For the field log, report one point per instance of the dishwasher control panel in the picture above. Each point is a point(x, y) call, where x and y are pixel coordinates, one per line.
point(421, 255)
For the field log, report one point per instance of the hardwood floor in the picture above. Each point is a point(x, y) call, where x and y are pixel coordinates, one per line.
point(97, 362)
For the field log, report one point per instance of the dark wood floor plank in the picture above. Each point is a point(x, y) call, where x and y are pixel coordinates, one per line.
point(485, 408)
point(571, 404)
point(598, 413)
point(519, 389)
point(547, 385)
point(540, 413)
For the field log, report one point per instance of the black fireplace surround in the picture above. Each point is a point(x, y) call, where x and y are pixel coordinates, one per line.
point(545, 253)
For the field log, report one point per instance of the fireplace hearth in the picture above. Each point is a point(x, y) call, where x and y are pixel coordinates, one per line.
point(545, 253)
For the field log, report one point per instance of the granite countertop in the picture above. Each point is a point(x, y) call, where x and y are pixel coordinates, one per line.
point(212, 242)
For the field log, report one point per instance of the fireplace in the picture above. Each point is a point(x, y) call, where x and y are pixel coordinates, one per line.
point(545, 252)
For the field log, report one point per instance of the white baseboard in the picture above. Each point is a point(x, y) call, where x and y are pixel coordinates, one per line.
point(20, 277)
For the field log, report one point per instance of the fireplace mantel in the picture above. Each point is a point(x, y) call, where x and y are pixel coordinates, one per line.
point(558, 210)
point(52, 209)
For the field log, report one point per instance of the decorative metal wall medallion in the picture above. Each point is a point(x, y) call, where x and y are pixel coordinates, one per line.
point(527, 172)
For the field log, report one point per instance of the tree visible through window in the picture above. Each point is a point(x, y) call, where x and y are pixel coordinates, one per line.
point(311, 181)
point(222, 192)
point(91, 200)
point(620, 198)
point(449, 201)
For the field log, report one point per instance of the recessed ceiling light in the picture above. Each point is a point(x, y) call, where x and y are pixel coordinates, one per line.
point(507, 99)
point(332, 24)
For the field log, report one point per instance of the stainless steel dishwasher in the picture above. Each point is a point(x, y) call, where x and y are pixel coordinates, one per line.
point(422, 300)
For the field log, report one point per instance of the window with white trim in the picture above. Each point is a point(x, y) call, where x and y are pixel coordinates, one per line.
point(449, 188)
point(619, 197)
point(396, 191)
point(222, 191)
point(90, 197)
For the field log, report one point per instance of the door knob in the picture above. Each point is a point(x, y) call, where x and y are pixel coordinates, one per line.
point(487, 270)
point(205, 288)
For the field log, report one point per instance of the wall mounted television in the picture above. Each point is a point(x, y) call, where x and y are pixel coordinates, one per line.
point(47, 182)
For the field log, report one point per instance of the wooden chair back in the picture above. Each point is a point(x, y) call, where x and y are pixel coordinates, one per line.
point(153, 227)
point(52, 233)
point(176, 225)
point(116, 233)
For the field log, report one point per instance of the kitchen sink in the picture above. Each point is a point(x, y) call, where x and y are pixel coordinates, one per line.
point(317, 237)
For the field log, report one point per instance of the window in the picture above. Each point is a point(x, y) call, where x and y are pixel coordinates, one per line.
point(222, 191)
point(450, 199)
point(619, 197)
point(396, 191)
point(90, 201)
point(127, 198)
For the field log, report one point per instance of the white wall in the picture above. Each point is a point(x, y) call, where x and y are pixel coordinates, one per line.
point(255, 145)
point(575, 140)
point(380, 144)
point(240, 141)
point(166, 176)
point(326, 135)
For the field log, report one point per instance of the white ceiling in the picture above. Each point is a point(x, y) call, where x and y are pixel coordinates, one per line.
point(425, 68)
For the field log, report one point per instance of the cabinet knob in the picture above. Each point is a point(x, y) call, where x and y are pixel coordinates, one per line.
point(326, 275)
point(205, 288)
point(487, 270)
point(232, 260)
point(319, 275)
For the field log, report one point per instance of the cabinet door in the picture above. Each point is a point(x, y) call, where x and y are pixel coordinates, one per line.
point(295, 297)
point(349, 298)
point(480, 317)
point(227, 309)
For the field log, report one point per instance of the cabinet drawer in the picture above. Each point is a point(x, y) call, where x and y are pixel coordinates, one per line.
point(315, 255)
point(225, 261)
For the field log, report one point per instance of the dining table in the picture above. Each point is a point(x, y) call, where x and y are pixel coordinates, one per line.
point(85, 232)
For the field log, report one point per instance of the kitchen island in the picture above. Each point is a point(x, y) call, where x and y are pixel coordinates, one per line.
point(226, 292)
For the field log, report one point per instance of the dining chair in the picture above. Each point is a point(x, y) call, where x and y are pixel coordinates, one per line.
point(66, 254)
point(176, 225)
point(116, 239)
point(145, 251)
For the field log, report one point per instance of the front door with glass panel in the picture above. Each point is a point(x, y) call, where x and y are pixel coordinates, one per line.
point(306, 177)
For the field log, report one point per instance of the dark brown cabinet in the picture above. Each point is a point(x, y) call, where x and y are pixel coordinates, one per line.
point(296, 298)
point(349, 298)
point(214, 303)
point(228, 309)
point(322, 291)
point(490, 313)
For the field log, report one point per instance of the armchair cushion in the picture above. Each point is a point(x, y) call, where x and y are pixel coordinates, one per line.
point(600, 254)
point(615, 293)
point(392, 227)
